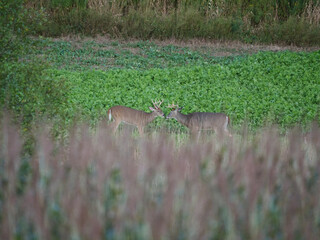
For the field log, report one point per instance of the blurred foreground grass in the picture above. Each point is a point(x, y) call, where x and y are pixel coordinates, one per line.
point(97, 186)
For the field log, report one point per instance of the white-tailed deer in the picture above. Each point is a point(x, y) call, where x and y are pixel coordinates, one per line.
point(198, 121)
point(134, 117)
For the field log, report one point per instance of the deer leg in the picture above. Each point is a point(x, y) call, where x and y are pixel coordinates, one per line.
point(140, 129)
point(227, 132)
point(114, 126)
point(198, 136)
point(219, 132)
point(225, 128)
point(195, 135)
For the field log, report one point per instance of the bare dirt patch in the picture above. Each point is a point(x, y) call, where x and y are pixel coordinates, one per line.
point(229, 48)
point(217, 48)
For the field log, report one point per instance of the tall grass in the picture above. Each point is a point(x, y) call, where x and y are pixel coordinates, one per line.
point(104, 187)
point(248, 21)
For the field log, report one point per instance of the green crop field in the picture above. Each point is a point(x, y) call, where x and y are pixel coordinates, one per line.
point(261, 88)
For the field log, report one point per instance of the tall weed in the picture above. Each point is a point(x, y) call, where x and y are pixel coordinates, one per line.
point(293, 31)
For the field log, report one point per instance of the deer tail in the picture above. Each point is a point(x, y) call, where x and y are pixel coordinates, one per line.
point(227, 121)
point(109, 114)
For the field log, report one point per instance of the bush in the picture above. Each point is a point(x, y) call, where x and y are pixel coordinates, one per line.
point(30, 93)
point(293, 31)
point(25, 87)
point(12, 29)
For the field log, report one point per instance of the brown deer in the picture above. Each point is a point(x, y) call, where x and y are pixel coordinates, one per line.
point(198, 121)
point(134, 117)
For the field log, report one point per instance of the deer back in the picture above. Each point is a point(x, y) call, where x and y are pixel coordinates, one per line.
point(207, 120)
point(130, 115)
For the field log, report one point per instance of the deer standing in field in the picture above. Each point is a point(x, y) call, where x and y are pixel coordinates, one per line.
point(134, 117)
point(198, 121)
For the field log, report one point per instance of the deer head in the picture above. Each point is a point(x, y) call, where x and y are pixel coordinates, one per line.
point(174, 110)
point(156, 108)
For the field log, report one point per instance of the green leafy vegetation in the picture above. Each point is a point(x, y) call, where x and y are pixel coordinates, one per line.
point(85, 78)
point(83, 55)
point(12, 29)
point(26, 90)
point(265, 88)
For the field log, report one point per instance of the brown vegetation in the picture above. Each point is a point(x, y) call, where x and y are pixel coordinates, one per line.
point(275, 22)
point(103, 187)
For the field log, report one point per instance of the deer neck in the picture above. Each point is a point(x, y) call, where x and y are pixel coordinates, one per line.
point(183, 119)
point(149, 117)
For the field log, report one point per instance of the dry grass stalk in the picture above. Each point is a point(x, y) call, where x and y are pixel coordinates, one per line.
point(312, 12)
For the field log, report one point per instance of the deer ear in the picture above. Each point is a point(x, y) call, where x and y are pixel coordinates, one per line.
point(152, 109)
